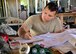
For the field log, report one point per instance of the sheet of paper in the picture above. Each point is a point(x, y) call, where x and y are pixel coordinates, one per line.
point(53, 39)
point(65, 48)
point(21, 40)
point(50, 39)
point(73, 35)
point(73, 42)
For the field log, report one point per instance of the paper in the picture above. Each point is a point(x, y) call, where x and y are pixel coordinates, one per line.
point(65, 48)
point(53, 39)
point(50, 39)
point(71, 32)
point(73, 42)
point(73, 35)
point(21, 40)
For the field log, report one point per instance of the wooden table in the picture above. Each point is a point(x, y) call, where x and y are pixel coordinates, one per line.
point(62, 15)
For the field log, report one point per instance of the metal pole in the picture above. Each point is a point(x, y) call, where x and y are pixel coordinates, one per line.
point(6, 8)
point(28, 8)
point(17, 8)
point(17, 11)
point(58, 3)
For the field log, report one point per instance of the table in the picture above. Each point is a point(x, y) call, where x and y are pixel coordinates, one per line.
point(61, 15)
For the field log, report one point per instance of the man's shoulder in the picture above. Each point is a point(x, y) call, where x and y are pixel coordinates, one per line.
point(34, 16)
point(57, 19)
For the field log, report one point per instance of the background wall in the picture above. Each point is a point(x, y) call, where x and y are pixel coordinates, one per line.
point(12, 7)
point(64, 3)
point(73, 2)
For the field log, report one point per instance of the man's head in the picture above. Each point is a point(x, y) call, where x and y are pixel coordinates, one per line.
point(49, 11)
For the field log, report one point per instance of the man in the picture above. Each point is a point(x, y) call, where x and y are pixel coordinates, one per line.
point(23, 13)
point(40, 24)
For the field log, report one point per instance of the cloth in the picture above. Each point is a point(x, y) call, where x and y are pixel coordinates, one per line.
point(38, 27)
point(5, 28)
point(23, 15)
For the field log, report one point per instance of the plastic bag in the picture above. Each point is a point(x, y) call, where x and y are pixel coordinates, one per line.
point(4, 47)
point(7, 30)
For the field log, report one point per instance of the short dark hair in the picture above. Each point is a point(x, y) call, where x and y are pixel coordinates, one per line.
point(52, 6)
point(22, 7)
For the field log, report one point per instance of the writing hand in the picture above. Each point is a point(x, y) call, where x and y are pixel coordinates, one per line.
point(27, 35)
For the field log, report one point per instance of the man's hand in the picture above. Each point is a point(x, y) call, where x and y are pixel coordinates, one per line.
point(24, 34)
point(27, 35)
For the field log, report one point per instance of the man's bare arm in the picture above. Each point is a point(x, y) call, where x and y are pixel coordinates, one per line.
point(24, 32)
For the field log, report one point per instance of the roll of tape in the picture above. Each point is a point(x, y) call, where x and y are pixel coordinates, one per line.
point(24, 49)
